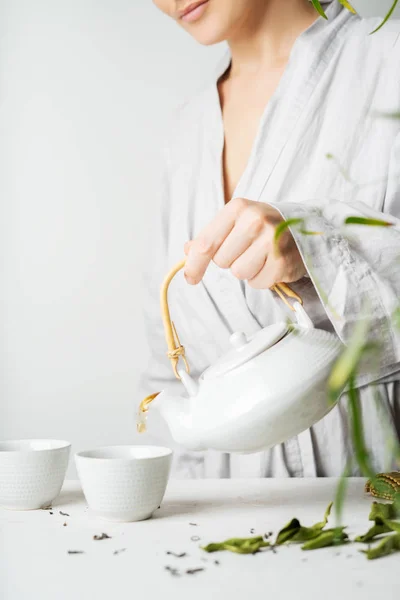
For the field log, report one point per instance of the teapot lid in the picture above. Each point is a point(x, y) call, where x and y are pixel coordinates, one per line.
point(246, 348)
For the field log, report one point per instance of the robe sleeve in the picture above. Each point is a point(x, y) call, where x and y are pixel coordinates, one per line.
point(356, 267)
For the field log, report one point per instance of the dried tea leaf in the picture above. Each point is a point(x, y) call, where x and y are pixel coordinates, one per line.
point(174, 572)
point(193, 524)
point(64, 514)
point(76, 552)
point(389, 544)
point(238, 545)
point(247, 548)
point(322, 524)
point(119, 551)
point(393, 525)
point(103, 536)
point(295, 532)
point(375, 530)
point(194, 571)
point(288, 531)
point(329, 537)
point(382, 511)
point(65, 524)
point(181, 555)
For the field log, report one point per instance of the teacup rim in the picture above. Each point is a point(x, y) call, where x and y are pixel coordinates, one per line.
point(165, 452)
point(58, 445)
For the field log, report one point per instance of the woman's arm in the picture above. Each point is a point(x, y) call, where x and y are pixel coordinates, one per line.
point(354, 268)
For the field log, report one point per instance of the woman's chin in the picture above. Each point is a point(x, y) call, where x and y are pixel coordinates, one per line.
point(209, 40)
point(207, 34)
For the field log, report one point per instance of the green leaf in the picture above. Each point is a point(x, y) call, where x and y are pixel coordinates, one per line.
point(392, 525)
point(340, 494)
point(342, 170)
point(374, 531)
point(360, 449)
point(305, 232)
point(246, 548)
point(238, 545)
point(316, 4)
point(347, 363)
point(322, 524)
point(388, 545)
point(386, 19)
point(330, 537)
point(381, 512)
point(389, 115)
point(283, 225)
point(369, 222)
point(396, 317)
point(295, 532)
point(347, 5)
point(288, 532)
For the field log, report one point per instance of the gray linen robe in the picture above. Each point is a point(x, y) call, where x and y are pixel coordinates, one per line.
point(324, 151)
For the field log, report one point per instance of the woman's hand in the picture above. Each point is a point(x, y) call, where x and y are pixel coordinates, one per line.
point(241, 238)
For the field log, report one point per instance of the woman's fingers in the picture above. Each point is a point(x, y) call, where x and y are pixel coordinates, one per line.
point(250, 263)
point(267, 277)
point(203, 248)
point(277, 269)
point(249, 227)
point(241, 237)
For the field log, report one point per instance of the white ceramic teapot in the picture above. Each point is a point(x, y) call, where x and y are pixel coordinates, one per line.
point(266, 389)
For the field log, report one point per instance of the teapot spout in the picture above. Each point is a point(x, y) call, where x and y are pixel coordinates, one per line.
point(176, 411)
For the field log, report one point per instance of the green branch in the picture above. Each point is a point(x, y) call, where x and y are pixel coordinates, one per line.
point(386, 19)
point(316, 4)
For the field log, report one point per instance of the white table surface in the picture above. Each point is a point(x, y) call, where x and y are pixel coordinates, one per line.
point(35, 565)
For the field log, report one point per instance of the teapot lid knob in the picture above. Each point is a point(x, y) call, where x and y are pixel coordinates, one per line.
point(238, 340)
point(244, 349)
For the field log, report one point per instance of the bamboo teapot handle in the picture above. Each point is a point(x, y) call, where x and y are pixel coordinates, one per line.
point(175, 348)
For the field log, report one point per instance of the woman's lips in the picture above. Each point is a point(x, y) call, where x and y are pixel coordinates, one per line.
point(194, 12)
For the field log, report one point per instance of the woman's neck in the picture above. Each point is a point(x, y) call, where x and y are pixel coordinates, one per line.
point(266, 35)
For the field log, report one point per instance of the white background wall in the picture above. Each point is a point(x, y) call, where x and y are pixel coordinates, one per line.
point(86, 87)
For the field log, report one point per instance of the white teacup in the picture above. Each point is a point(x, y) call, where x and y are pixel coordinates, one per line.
point(31, 472)
point(124, 483)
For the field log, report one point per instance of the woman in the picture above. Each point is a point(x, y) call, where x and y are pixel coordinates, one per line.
point(296, 123)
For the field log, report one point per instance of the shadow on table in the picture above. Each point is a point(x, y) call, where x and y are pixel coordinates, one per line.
point(67, 497)
point(269, 500)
